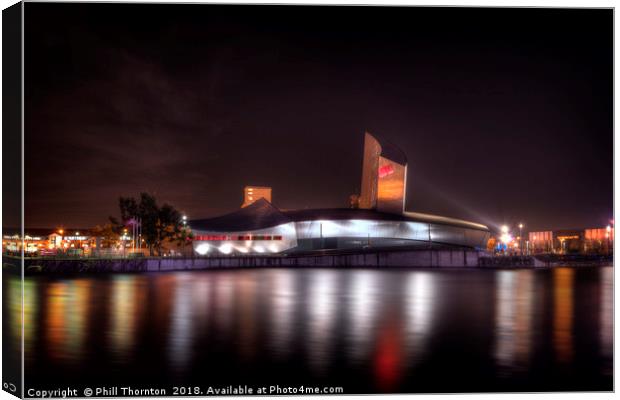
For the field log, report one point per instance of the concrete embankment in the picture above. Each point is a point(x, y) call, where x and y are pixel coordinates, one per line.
point(413, 258)
point(429, 258)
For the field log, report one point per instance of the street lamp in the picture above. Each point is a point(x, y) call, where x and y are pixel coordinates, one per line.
point(608, 237)
point(521, 238)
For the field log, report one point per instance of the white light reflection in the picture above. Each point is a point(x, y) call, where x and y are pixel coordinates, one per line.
point(607, 311)
point(224, 302)
point(284, 298)
point(181, 330)
point(513, 319)
point(363, 313)
point(421, 298)
point(321, 313)
point(504, 319)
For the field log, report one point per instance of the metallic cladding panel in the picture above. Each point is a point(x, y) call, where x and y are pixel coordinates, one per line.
point(352, 233)
point(370, 167)
point(287, 231)
point(391, 186)
point(383, 179)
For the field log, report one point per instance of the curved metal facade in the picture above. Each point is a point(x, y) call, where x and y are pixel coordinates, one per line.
point(337, 234)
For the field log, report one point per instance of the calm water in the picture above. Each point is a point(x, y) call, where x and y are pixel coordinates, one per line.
point(365, 330)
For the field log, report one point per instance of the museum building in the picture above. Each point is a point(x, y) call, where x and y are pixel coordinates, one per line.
point(379, 222)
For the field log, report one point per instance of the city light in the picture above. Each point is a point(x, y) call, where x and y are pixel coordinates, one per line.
point(202, 249)
point(505, 237)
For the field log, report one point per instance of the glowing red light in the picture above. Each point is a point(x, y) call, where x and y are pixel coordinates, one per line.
point(385, 171)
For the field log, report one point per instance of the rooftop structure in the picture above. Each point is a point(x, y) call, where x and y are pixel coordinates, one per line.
point(254, 193)
point(384, 176)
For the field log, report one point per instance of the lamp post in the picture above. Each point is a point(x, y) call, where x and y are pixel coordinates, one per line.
point(521, 239)
point(608, 237)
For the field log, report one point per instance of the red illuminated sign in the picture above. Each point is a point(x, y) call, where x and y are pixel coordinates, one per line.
point(385, 171)
point(230, 237)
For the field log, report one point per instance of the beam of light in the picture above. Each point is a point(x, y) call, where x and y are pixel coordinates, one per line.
point(242, 249)
point(457, 202)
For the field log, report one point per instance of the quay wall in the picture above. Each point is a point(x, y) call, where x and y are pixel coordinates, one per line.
point(431, 258)
point(379, 259)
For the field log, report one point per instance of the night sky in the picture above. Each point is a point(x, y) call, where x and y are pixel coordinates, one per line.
point(505, 114)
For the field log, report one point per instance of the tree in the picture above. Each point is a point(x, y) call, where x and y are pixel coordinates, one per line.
point(158, 223)
point(109, 233)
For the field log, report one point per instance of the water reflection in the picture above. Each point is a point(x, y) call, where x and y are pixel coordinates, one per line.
point(563, 313)
point(31, 328)
point(181, 324)
point(513, 320)
point(606, 314)
point(224, 303)
point(14, 301)
point(282, 311)
point(127, 307)
point(420, 303)
point(321, 314)
point(376, 329)
point(364, 299)
point(57, 334)
point(388, 353)
point(246, 315)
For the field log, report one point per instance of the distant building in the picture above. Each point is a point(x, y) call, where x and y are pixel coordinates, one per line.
point(540, 242)
point(572, 241)
point(253, 193)
point(599, 240)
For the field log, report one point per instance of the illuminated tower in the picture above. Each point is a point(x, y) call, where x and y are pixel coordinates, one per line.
point(253, 193)
point(384, 176)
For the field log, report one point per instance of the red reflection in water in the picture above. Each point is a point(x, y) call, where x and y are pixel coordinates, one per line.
point(388, 356)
